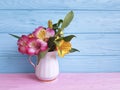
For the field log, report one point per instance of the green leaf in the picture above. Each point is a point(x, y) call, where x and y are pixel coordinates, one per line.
point(59, 31)
point(56, 25)
point(60, 22)
point(68, 18)
point(15, 36)
point(68, 38)
point(74, 50)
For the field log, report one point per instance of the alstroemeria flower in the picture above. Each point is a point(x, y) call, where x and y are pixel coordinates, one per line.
point(63, 48)
point(35, 46)
point(49, 33)
point(43, 34)
point(40, 33)
point(22, 44)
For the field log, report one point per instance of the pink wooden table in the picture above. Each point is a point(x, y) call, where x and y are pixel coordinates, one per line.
point(65, 81)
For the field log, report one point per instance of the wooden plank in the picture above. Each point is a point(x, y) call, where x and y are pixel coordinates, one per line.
point(65, 81)
point(88, 44)
point(83, 22)
point(74, 64)
point(61, 4)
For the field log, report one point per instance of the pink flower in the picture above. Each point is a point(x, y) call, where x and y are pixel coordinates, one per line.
point(31, 35)
point(40, 33)
point(35, 42)
point(43, 34)
point(35, 46)
point(49, 33)
point(30, 45)
point(22, 44)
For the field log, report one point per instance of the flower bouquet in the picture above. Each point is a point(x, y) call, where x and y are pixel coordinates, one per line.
point(45, 43)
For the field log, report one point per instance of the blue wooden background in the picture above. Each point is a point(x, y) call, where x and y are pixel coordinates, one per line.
point(96, 25)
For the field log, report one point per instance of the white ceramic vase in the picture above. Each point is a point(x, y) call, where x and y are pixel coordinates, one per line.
point(47, 69)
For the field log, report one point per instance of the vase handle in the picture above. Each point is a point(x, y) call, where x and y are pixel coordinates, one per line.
point(30, 61)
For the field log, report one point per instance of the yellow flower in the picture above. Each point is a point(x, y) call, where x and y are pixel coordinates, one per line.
point(63, 48)
point(43, 33)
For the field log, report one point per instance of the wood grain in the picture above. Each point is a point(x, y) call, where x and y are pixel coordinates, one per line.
point(83, 22)
point(88, 44)
point(61, 4)
point(96, 25)
point(74, 64)
point(98, 53)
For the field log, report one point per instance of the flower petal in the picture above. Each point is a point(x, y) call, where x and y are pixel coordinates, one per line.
point(23, 40)
point(40, 33)
point(31, 51)
point(63, 48)
point(43, 44)
point(49, 33)
point(22, 49)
